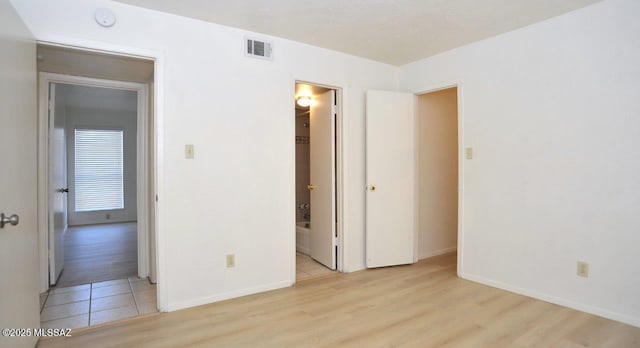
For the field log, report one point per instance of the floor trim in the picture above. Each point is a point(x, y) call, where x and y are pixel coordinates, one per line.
point(174, 306)
point(623, 318)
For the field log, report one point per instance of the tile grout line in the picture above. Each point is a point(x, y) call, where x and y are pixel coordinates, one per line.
point(90, 300)
point(135, 302)
point(44, 303)
point(91, 287)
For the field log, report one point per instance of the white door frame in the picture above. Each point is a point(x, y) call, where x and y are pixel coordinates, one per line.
point(461, 158)
point(142, 170)
point(340, 184)
point(158, 137)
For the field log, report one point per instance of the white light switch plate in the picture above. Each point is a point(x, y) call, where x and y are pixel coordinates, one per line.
point(189, 151)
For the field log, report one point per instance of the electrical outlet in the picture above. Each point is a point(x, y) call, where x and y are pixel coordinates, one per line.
point(108, 216)
point(469, 153)
point(231, 260)
point(583, 269)
point(189, 151)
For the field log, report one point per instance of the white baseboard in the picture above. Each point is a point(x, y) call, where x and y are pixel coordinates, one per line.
point(555, 300)
point(423, 254)
point(227, 295)
point(355, 268)
point(302, 249)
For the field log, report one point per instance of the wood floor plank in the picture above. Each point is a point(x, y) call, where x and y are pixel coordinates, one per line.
point(99, 252)
point(422, 305)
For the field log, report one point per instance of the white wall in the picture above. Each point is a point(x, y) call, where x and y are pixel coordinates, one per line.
point(237, 195)
point(438, 172)
point(551, 111)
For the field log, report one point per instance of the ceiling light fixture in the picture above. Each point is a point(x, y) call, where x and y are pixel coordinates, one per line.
point(304, 101)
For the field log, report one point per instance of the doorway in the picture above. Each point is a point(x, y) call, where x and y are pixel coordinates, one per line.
point(97, 235)
point(413, 175)
point(437, 167)
point(317, 115)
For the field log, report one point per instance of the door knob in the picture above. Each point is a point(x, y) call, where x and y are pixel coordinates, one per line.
point(372, 188)
point(310, 187)
point(12, 220)
point(63, 190)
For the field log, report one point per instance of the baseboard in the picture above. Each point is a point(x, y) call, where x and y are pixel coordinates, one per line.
point(227, 295)
point(355, 268)
point(303, 250)
point(105, 222)
point(623, 318)
point(426, 254)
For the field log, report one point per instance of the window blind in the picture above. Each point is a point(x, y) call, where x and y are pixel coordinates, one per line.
point(99, 177)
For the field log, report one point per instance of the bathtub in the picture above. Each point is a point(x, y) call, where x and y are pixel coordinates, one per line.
point(303, 237)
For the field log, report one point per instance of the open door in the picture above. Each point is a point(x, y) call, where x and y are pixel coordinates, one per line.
point(322, 152)
point(57, 187)
point(390, 170)
point(19, 304)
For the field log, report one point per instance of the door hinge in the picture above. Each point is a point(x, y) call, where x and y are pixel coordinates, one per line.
point(156, 198)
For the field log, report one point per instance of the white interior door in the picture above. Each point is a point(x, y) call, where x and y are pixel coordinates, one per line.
point(390, 156)
point(322, 154)
point(19, 303)
point(58, 188)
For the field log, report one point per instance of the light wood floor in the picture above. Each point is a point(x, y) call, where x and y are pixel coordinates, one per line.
point(423, 305)
point(99, 252)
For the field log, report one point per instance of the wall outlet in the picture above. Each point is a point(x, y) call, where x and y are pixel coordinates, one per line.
point(583, 269)
point(231, 260)
point(108, 216)
point(189, 151)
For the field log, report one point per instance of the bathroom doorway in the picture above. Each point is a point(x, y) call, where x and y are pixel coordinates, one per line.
point(317, 115)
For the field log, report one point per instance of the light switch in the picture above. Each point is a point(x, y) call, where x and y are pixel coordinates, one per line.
point(231, 260)
point(469, 153)
point(189, 151)
point(583, 269)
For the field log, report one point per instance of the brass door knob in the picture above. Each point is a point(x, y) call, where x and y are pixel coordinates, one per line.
point(372, 188)
point(310, 187)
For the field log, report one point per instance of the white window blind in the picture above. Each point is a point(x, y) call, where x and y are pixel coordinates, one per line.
point(99, 177)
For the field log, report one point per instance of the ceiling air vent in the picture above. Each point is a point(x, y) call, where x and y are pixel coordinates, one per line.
point(258, 49)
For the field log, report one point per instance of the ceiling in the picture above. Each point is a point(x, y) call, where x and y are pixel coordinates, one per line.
point(391, 31)
point(69, 61)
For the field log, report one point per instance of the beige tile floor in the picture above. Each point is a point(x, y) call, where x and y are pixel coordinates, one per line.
point(85, 305)
point(307, 268)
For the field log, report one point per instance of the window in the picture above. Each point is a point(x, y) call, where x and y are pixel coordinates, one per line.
point(99, 177)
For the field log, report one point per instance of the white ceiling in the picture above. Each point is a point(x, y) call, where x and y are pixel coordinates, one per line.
point(96, 98)
point(391, 31)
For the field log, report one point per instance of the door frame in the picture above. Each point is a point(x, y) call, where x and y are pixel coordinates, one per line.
point(158, 139)
point(341, 255)
point(458, 84)
point(142, 162)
